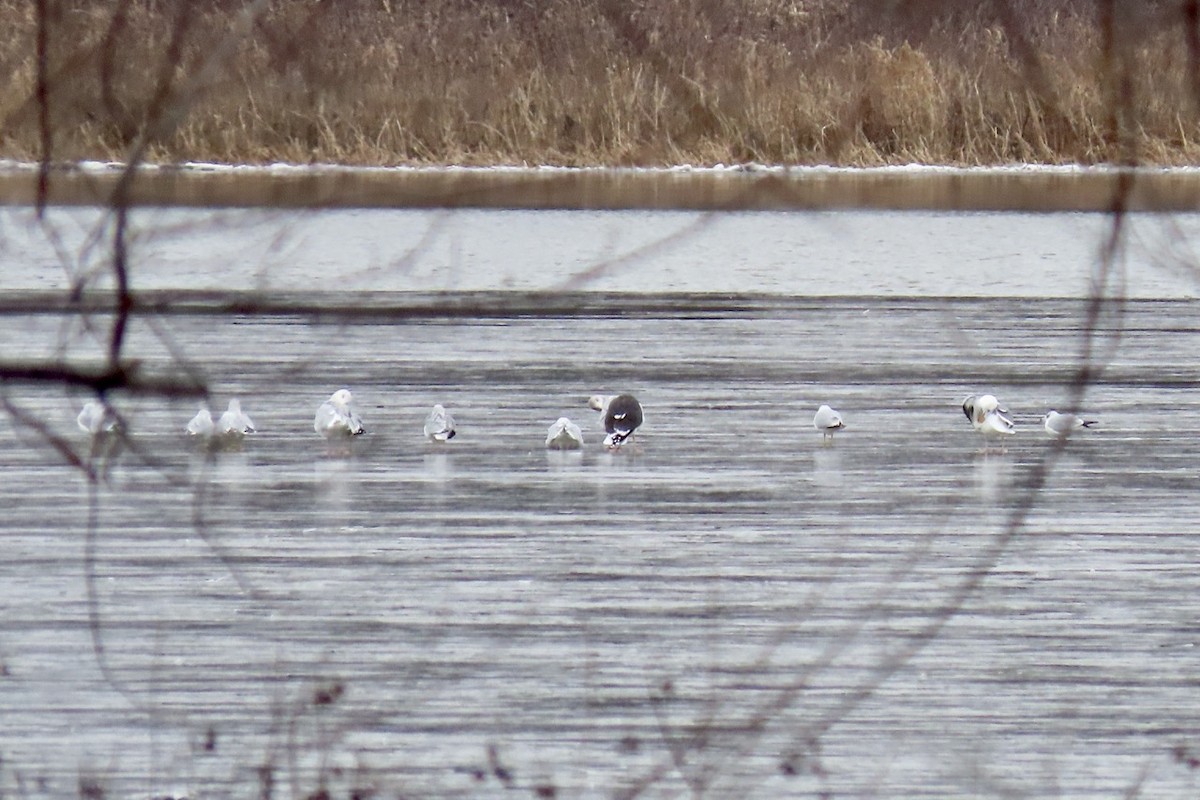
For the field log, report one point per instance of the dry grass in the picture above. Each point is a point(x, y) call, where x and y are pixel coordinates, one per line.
point(607, 82)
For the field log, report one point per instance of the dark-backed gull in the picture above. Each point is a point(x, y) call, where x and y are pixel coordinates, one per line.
point(621, 414)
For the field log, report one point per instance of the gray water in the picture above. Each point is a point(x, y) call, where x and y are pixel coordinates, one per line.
point(725, 609)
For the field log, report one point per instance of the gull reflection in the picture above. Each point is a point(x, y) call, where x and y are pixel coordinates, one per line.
point(827, 468)
point(993, 476)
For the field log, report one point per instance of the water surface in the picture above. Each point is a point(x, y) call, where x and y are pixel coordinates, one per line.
point(725, 609)
point(842, 254)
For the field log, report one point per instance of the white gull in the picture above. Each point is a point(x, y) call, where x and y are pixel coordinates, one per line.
point(1058, 424)
point(201, 424)
point(234, 422)
point(96, 418)
point(828, 422)
point(564, 435)
point(439, 425)
point(987, 416)
point(336, 416)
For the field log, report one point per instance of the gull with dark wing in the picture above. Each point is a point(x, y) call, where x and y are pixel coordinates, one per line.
point(828, 422)
point(1057, 424)
point(987, 416)
point(564, 435)
point(336, 416)
point(439, 425)
point(621, 415)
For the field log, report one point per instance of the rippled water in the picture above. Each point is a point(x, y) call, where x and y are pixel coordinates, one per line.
point(726, 609)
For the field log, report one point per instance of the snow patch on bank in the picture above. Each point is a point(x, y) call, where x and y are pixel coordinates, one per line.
point(202, 167)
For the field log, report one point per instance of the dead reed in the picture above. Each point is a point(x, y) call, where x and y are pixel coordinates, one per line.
point(608, 82)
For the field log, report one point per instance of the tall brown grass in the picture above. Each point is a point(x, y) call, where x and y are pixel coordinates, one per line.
point(612, 82)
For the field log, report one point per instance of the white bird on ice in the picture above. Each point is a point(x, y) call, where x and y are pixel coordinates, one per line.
point(234, 422)
point(987, 417)
point(336, 417)
point(1058, 424)
point(201, 424)
point(564, 435)
point(828, 422)
point(96, 418)
point(439, 425)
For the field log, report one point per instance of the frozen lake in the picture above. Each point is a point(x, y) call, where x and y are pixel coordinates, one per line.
point(727, 609)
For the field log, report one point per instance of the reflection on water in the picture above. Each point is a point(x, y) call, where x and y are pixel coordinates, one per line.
point(827, 468)
point(994, 472)
point(439, 465)
point(726, 608)
point(335, 477)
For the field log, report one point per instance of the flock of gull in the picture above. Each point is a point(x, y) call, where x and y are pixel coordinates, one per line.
point(991, 419)
point(620, 414)
point(987, 417)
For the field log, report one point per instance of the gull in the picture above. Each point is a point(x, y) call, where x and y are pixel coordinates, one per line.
point(234, 422)
point(621, 414)
point(987, 417)
point(1061, 424)
point(439, 425)
point(335, 416)
point(564, 435)
point(96, 418)
point(201, 424)
point(828, 422)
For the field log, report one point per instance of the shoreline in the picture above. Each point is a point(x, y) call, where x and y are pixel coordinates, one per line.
point(751, 187)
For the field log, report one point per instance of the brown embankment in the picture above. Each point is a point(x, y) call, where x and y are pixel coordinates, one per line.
point(1095, 189)
point(601, 82)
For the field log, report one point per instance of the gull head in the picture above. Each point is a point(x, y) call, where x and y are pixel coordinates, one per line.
point(341, 398)
point(987, 403)
point(977, 407)
point(597, 402)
